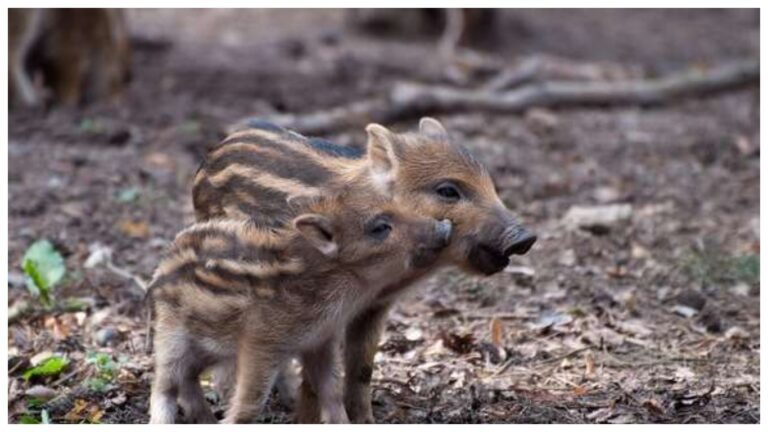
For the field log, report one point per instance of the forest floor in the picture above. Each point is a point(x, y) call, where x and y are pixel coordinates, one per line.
point(653, 317)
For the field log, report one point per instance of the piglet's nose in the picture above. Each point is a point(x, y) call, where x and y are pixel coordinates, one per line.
point(443, 229)
point(520, 243)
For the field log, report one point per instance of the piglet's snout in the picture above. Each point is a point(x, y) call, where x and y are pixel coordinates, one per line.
point(432, 243)
point(517, 240)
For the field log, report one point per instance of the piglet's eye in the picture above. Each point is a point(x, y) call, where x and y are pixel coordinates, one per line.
point(379, 228)
point(448, 192)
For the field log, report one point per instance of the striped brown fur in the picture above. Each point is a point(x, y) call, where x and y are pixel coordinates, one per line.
point(428, 172)
point(232, 290)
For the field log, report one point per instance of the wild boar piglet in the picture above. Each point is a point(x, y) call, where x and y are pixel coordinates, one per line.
point(254, 172)
point(238, 290)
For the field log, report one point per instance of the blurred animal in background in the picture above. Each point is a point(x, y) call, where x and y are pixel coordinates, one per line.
point(67, 56)
point(454, 26)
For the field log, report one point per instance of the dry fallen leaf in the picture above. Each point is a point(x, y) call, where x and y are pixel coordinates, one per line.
point(160, 160)
point(76, 413)
point(84, 411)
point(579, 390)
point(56, 327)
point(461, 344)
point(436, 348)
point(497, 332)
point(135, 229)
point(654, 406)
point(589, 361)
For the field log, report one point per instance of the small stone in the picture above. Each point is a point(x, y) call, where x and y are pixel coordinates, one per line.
point(736, 333)
point(745, 146)
point(606, 194)
point(741, 289)
point(40, 392)
point(552, 319)
point(597, 219)
point(106, 336)
point(18, 310)
point(414, 334)
point(711, 321)
point(522, 275)
point(541, 120)
point(120, 399)
point(691, 299)
point(684, 311)
point(99, 254)
point(158, 243)
point(99, 316)
point(639, 252)
point(40, 357)
point(16, 279)
point(754, 225)
point(567, 258)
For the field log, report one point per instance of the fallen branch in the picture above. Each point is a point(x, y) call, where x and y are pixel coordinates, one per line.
point(694, 82)
point(543, 68)
point(349, 116)
point(408, 100)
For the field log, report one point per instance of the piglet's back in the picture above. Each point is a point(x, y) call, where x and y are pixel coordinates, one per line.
point(214, 270)
point(253, 173)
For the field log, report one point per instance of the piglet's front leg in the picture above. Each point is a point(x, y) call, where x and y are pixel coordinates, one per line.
point(321, 369)
point(362, 342)
point(256, 371)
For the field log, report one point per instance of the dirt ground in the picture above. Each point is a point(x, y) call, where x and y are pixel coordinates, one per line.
point(651, 319)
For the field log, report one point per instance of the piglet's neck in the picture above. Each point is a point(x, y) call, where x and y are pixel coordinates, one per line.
point(314, 262)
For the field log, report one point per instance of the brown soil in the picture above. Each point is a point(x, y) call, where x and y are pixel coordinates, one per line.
point(588, 328)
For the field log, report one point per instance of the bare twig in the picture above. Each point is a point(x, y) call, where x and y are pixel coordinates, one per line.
point(126, 275)
point(501, 316)
point(68, 376)
point(412, 99)
point(569, 354)
point(101, 255)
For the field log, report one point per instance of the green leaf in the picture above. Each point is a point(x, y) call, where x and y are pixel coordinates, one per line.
point(75, 304)
point(90, 125)
point(127, 195)
point(35, 403)
point(106, 368)
point(29, 419)
point(50, 367)
point(44, 267)
point(747, 268)
point(96, 385)
point(191, 127)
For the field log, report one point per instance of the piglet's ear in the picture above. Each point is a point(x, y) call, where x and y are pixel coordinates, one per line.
point(433, 129)
point(381, 154)
point(319, 232)
point(380, 148)
point(300, 203)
